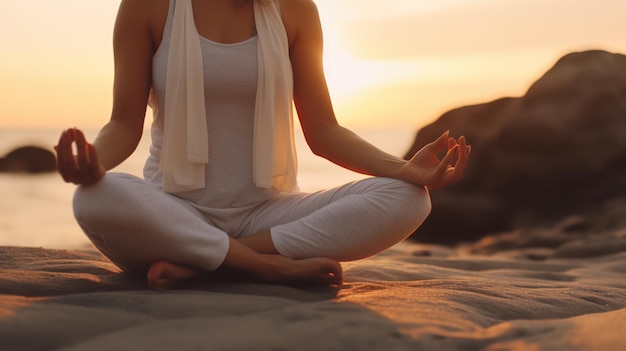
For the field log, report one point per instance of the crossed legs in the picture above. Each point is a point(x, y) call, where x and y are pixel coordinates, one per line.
point(130, 221)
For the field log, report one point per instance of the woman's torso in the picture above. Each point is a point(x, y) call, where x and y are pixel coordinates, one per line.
point(230, 82)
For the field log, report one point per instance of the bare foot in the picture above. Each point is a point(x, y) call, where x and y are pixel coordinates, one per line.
point(166, 275)
point(317, 270)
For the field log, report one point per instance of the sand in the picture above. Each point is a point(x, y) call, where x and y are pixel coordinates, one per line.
point(413, 297)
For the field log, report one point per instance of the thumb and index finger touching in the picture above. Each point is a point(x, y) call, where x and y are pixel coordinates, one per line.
point(82, 167)
point(452, 166)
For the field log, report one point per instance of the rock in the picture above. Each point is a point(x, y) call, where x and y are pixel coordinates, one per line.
point(28, 159)
point(559, 150)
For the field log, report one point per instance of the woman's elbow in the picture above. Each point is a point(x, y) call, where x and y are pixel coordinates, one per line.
point(321, 139)
point(318, 146)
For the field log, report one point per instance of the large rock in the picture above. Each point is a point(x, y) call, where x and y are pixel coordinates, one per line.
point(28, 159)
point(557, 151)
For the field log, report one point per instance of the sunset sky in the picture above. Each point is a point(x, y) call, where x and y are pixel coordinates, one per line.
point(389, 63)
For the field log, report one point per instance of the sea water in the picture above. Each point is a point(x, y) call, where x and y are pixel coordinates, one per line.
point(35, 210)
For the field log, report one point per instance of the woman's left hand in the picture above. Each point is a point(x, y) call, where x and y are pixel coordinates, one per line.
point(425, 167)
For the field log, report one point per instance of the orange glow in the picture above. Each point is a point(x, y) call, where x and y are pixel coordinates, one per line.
point(400, 65)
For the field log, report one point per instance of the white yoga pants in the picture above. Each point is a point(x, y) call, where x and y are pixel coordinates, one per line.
point(134, 223)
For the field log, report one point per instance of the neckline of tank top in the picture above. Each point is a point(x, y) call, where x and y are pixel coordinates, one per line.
point(238, 43)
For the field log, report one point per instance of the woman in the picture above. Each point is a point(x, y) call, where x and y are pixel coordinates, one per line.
point(219, 188)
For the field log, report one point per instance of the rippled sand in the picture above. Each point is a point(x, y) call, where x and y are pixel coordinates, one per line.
point(413, 297)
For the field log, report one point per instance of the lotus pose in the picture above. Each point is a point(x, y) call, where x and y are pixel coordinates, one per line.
point(219, 187)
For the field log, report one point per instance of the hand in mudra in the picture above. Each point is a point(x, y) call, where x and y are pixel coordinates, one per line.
point(82, 167)
point(425, 167)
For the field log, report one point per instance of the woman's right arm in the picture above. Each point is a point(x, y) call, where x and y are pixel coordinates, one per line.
point(133, 48)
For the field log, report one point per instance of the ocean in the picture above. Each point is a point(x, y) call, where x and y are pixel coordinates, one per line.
point(35, 210)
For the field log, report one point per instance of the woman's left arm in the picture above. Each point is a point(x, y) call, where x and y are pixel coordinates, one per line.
point(328, 139)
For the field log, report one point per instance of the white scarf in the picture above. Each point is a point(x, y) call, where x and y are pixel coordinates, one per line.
point(185, 145)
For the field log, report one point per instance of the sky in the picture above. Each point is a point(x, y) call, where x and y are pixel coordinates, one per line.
point(399, 64)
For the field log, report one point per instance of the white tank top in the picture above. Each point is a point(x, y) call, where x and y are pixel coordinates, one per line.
point(230, 84)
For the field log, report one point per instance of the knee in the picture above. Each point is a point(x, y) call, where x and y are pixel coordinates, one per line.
point(407, 206)
point(86, 198)
point(93, 202)
point(406, 200)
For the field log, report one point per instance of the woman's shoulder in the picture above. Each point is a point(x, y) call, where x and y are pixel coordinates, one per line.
point(151, 10)
point(298, 15)
point(298, 7)
point(150, 15)
point(145, 6)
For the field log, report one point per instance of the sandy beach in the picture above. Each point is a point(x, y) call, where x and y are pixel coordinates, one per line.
point(413, 297)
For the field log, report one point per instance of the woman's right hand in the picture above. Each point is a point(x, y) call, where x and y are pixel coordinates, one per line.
point(82, 168)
